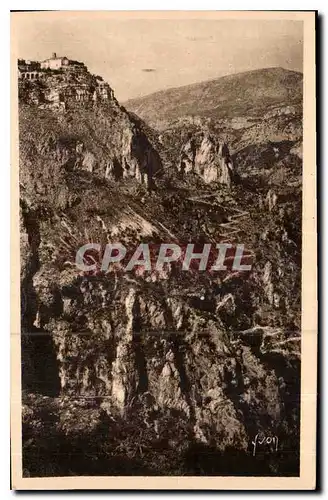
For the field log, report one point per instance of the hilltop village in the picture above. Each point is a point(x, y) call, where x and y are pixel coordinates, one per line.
point(58, 82)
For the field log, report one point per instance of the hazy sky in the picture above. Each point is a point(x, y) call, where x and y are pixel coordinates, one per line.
point(141, 56)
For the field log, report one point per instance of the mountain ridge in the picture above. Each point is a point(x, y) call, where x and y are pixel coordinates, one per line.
point(257, 89)
point(251, 71)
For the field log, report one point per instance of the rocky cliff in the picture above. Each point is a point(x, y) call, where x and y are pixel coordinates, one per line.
point(169, 372)
point(207, 157)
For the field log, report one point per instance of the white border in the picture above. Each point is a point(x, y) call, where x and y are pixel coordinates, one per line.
point(5, 120)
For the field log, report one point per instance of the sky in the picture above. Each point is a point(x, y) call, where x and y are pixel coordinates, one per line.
point(140, 56)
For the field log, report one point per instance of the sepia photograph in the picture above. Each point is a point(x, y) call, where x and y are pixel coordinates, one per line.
point(163, 221)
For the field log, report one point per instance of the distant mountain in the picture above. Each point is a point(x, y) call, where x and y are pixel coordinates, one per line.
point(251, 92)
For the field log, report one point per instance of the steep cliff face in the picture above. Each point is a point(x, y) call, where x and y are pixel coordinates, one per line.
point(62, 88)
point(203, 355)
point(168, 372)
point(58, 143)
point(207, 157)
point(68, 108)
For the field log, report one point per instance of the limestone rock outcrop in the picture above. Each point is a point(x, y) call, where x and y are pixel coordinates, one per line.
point(207, 157)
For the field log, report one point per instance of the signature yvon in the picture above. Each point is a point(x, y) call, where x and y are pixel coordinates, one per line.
point(271, 442)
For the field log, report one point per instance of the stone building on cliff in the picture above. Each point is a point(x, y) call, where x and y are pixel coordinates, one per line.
point(55, 62)
point(61, 81)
